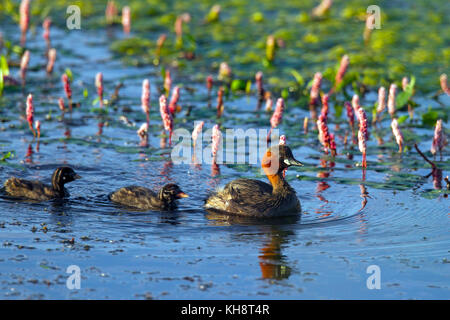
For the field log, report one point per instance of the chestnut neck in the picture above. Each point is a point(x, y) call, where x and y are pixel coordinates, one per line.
point(276, 178)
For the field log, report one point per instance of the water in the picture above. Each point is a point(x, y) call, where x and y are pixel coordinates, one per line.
point(395, 217)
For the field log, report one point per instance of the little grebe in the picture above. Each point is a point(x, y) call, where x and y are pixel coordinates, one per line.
point(36, 190)
point(255, 198)
point(143, 198)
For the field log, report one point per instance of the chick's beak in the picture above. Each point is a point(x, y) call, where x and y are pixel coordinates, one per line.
point(182, 195)
point(293, 162)
point(76, 177)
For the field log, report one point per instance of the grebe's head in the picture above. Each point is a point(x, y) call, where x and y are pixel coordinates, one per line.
point(279, 158)
point(171, 192)
point(63, 175)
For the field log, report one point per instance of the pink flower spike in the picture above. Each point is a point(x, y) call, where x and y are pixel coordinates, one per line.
point(277, 116)
point(332, 145)
point(126, 19)
point(363, 126)
point(174, 100)
point(323, 7)
point(185, 17)
point(314, 95)
point(391, 99)
point(24, 65)
point(345, 61)
point(30, 113)
point(220, 106)
point(381, 100)
point(51, 60)
point(350, 114)
point(259, 83)
point(216, 139)
point(439, 139)
point(46, 26)
point(325, 137)
point(362, 147)
point(397, 134)
point(61, 104)
point(209, 83)
point(355, 104)
point(110, 12)
point(166, 116)
point(24, 12)
point(325, 100)
point(37, 125)
point(99, 86)
point(145, 98)
point(198, 128)
point(167, 82)
point(444, 86)
point(67, 89)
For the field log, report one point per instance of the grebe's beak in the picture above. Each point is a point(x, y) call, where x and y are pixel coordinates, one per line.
point(76, 176)
point(293, 162)
point(182, 195)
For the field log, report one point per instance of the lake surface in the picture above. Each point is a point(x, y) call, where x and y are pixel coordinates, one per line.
point(394, 216)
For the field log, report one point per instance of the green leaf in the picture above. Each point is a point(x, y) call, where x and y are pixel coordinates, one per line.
point(298, 77)
point(4, 65)
point(403, 97)
point(430, 117)
point(285, 94)
point(248, 87)
point(238, 85)
point(402, 119)
point(69, 74)
point(1, 82)
point(7, 155)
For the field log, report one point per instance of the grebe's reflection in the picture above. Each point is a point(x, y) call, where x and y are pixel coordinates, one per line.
point(273, 264)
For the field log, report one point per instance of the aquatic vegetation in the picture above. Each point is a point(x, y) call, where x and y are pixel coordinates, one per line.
point(397, 134)
point(439, 139)
point(24, 20)
point(99, 86)
point(145, 99)
point(51, 60)
point(315, 60)
point(126, 19)
point(166, 116)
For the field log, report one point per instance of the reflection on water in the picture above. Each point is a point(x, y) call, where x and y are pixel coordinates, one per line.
point(272, 262)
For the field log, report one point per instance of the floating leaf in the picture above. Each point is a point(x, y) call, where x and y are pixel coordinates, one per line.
point(7, 155)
